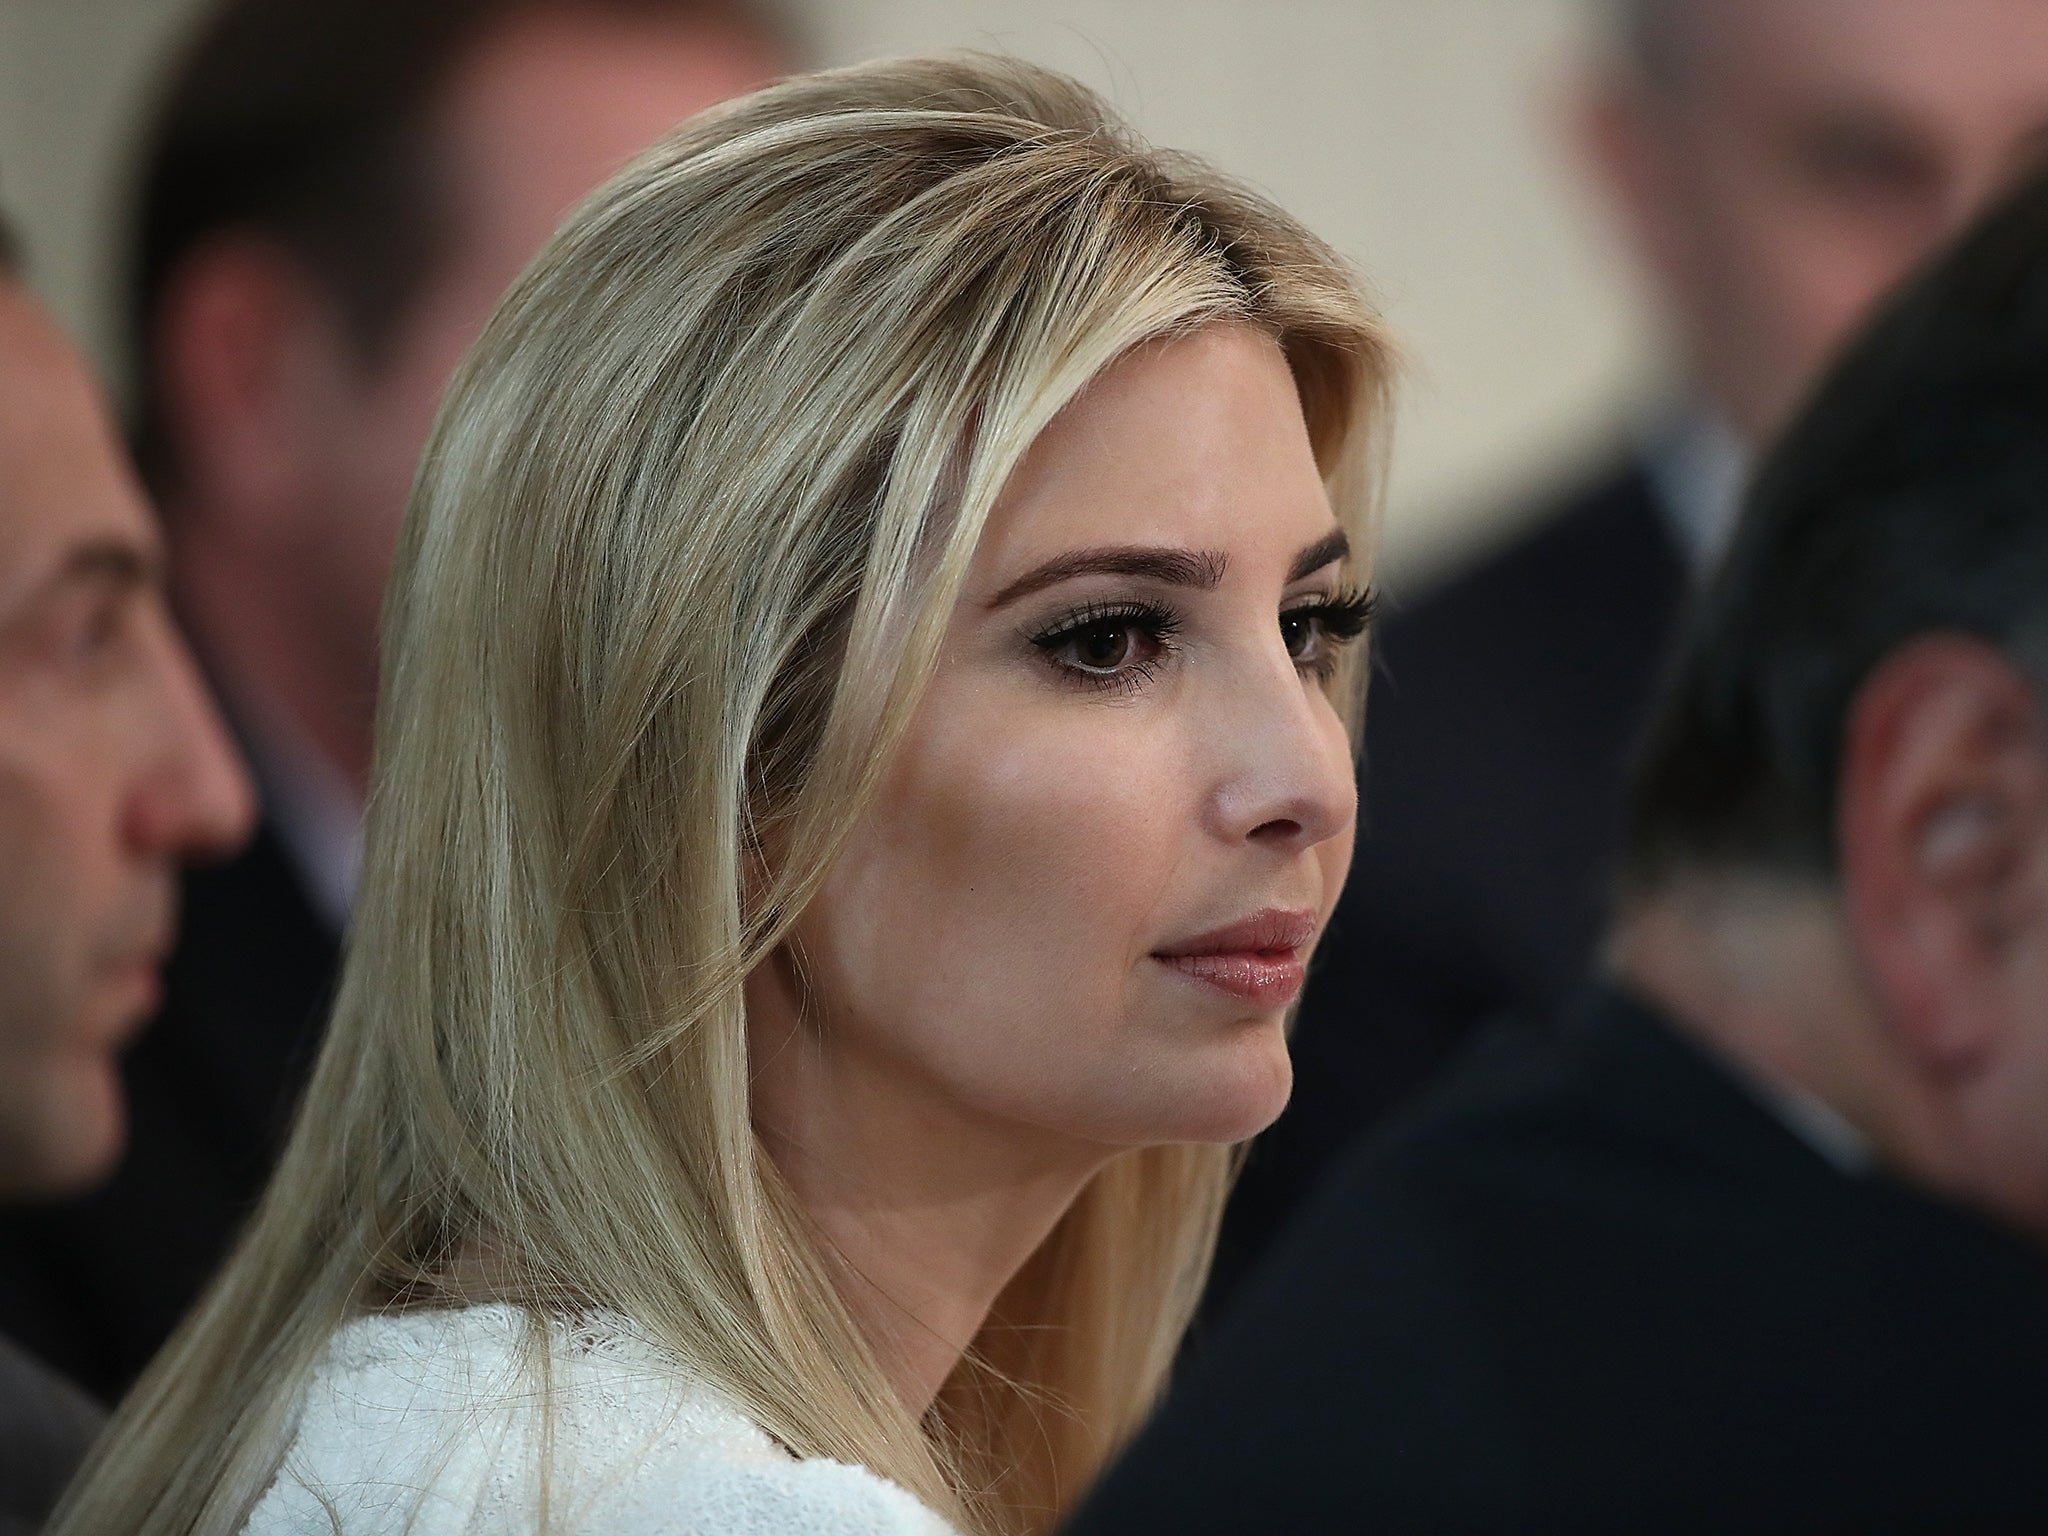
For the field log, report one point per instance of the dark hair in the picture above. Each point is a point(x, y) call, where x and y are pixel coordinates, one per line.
point(1649, 35)
point(1911, 495)
point(311, 121)
point(10, 249)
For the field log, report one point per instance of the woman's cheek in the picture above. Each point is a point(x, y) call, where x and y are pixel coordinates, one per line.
point(1056, 817)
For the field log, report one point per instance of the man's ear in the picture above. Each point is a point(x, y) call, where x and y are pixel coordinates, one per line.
point(250, 363)
point(1942, 828)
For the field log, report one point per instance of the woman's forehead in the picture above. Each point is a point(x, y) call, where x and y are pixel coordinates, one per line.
point(1194, 443)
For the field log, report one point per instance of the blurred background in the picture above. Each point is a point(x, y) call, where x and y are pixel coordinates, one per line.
point(1429, 139)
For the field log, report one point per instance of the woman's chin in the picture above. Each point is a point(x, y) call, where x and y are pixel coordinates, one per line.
point(1260, 1098)
point(1226, 1090)
point(1235, 1092)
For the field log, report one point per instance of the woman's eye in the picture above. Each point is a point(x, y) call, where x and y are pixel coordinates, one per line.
point(1315, 632)
point(1104, 647)
point(1118, 648)
point(1298, 631)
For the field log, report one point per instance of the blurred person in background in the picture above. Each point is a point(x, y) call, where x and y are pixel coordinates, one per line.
point(1779, 165)
point(114, 767)
point(1757, 1239)
point(333, 195)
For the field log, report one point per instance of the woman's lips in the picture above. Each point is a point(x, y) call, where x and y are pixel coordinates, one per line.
point(1260, 959)
point(1273, 979)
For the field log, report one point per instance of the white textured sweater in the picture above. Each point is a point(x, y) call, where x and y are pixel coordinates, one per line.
point(434, 1424)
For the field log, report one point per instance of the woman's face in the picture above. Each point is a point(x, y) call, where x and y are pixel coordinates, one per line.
point(1083, 901)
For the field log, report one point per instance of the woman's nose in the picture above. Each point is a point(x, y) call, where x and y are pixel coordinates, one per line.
point(1287, 776)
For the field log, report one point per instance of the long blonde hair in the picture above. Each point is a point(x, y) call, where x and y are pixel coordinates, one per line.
point(690, 524)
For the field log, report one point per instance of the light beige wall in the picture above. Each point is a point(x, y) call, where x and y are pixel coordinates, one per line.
point(1422, 136)
point(73, 80)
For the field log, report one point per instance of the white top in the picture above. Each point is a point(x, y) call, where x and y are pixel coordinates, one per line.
point(432, 1423)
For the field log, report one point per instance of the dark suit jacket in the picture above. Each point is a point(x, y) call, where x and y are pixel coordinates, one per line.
point(94, 1286)
point(1590, 1284)
point(1498, 730)
point(46, 1427)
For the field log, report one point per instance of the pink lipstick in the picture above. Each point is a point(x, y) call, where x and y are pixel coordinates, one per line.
point(1262, 959)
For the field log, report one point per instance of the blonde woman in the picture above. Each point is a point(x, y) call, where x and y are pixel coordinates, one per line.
point(863, 760)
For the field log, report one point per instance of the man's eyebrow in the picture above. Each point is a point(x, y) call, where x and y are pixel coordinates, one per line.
point(107, 561)
point(1328, 550)
point(1198, 568)
point(114, 561)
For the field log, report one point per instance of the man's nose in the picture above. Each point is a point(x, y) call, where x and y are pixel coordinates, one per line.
point(195, 800)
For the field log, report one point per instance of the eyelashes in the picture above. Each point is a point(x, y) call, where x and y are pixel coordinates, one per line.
point(1316, 632)
point(1342, 618)
point(1116, 646)
point(1121, 646)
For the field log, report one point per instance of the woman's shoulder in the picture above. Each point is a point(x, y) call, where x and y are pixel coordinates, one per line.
point(435, 1423)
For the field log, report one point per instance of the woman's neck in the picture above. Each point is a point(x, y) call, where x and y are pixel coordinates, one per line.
point(928, 1212)
point(920, 1269)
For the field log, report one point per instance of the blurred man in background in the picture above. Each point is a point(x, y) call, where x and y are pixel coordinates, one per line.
point(333, 196)
point(114, 767)
point(1758, 1239)
point(1779, 165)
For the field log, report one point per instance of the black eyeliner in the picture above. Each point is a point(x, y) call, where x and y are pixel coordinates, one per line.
point(1156, 623)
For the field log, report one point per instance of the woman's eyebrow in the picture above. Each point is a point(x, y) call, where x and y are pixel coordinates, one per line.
point(1199, 568)
point(1328, 550)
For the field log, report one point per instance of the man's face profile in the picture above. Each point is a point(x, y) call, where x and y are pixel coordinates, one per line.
point(113, 765)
